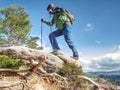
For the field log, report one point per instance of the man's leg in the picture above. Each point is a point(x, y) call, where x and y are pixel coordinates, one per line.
point(52, 38)
point(68, 39)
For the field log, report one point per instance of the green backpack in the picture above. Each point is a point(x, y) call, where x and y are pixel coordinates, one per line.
point(70, 16)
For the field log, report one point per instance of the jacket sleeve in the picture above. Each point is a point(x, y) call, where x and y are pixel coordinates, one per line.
point(49, 23)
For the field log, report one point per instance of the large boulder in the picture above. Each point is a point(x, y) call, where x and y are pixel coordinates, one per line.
point(53, 61)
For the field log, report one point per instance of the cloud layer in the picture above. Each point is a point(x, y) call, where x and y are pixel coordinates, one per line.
point(108, 62)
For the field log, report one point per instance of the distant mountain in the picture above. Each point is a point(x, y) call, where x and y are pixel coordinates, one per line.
point(113, 76)
point(117, 72)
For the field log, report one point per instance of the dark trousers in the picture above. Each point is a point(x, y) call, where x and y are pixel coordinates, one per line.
point(66, 32)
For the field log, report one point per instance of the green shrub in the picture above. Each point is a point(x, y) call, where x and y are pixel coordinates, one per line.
point(71, 71)
point(7, 62)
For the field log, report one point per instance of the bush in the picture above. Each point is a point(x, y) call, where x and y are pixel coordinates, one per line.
point(71, 71)
point(7, 62)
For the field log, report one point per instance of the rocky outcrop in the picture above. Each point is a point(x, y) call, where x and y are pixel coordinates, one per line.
point(53, 60)
point(40, 71)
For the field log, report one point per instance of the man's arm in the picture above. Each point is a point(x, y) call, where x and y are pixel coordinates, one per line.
point(47, 22)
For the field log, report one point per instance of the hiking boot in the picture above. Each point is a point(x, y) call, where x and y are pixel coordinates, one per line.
point(75, 57)
point(56, 52)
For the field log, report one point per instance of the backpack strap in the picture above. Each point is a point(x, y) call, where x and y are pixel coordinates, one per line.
point(70, 16)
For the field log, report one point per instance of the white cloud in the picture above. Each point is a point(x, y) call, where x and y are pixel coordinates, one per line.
point(98, 42)
point(89, 27)
point(108, 62)
point(84, 62)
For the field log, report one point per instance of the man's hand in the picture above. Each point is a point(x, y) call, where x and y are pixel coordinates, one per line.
point(42, 19)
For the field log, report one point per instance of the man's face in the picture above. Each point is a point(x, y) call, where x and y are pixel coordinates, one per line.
point(50, 10)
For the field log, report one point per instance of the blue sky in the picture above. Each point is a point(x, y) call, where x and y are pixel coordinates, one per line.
point(95, 31)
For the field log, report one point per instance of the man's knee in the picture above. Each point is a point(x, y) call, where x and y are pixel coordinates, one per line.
point(51, 35)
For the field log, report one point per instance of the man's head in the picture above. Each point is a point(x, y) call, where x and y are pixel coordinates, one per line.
point(50, 8)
